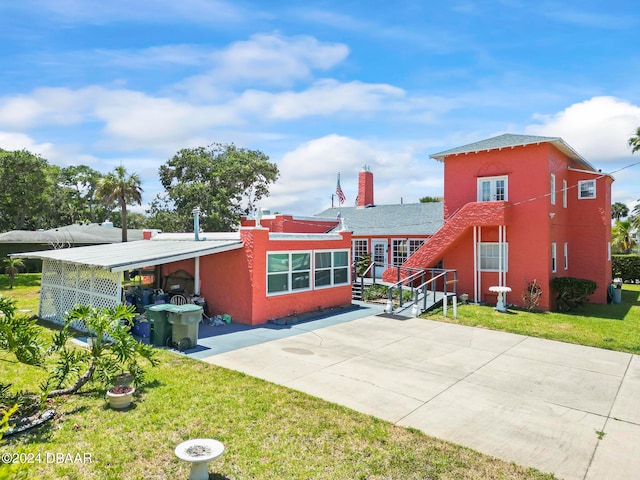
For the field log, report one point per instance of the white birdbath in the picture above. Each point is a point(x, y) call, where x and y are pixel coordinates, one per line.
point(199, 452)
point(500, 291)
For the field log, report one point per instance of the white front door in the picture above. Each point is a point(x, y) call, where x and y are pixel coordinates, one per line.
point(379, 256)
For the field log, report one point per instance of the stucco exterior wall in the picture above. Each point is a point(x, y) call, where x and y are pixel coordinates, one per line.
point(532, 222)
point(235, 282)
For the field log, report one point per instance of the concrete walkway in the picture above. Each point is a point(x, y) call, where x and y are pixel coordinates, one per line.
point(535, 402)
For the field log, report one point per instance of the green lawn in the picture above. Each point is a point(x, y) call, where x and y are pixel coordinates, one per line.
point(614, 327)
point(271, 432)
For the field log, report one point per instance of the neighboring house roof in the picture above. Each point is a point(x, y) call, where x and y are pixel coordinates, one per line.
point(396, 220)
point(509, 140)
point(92, 233)
point(118, 257)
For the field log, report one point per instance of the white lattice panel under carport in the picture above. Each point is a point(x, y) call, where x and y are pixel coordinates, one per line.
point(65, 285)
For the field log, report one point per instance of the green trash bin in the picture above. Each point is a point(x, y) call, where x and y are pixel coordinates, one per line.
point(159, 326)
point(185, 321)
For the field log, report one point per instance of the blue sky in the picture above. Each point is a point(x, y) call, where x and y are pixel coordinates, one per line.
point(321, 86)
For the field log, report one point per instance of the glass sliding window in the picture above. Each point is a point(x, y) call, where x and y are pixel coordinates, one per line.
point(490, 255)
point(553, 189)
point(288, 271)
point(564, 193)
point(331, 268)
point(566, 256)
point(554, 258)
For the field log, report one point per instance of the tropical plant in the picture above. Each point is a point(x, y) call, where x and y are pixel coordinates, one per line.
point(113, 350)
point(622, 239)
point(619, 210)
point(12, 267)
point(634, 141)
point(121, 189)
point(19, 334)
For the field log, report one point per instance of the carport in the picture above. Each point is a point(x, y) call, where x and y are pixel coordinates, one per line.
point(93, 275)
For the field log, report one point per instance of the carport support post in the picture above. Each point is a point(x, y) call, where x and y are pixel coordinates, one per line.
point(444, 305)
point(454, 305)
point(196, 280)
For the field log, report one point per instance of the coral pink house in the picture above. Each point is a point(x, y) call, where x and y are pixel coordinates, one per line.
point(518, 208)
point(272, 274)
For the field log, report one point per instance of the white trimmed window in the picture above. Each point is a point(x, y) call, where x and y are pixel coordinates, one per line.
point(566, 256)
point(492, 189)
point(331, 268)
point(564, 194)
point(554, 258)
point(586, 189)
point(288, 272)
point(491, 255)
point(553, 189)
point(360, 248)
point(403, 249)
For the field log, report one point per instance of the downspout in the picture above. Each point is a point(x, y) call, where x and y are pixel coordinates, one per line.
point(196, 231)
point(196, 279)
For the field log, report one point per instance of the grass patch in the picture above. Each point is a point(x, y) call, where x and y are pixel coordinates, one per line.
point(269, 432)
point(614, 326)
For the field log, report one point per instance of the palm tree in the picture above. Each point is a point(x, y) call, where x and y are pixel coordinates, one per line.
point(634, 141)
point(622, 238)
point(12, 267)
point(619, 210)
point(122, 189)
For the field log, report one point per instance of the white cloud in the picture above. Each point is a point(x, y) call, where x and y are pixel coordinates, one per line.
point(309, 174)
point(19, 141)
point(264, 59)
point(598, 128)
point(324, 97)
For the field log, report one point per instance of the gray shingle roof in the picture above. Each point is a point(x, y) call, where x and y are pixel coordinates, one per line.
point(397, 220)
point(509, 140)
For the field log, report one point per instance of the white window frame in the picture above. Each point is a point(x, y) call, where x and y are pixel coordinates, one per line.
point(493, 189)
point(564, 194)
point(359, 247)
point(554, 258)
point(580, 191)
point(332, 269)
point(289, 272)
point(553, 189)
point(403, 248)
point(566, 256)
point(484, 248)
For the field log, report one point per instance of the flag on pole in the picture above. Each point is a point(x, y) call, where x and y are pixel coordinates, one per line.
point(339, 192)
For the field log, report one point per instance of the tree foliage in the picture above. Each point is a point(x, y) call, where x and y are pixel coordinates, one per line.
point(634, 141)
point(223, 180)
point(619, 210)
point(26, 184)
point(622, 240)
point(121, 189)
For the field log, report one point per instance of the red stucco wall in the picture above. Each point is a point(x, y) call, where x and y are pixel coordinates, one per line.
point(532, 222)
point(234, 282)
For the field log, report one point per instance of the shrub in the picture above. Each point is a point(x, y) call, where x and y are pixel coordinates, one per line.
point(531, 295)
point(375, 291)
point(572, 292)
point(626, 267)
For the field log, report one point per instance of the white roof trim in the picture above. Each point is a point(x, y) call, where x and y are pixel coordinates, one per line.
point(118, 257)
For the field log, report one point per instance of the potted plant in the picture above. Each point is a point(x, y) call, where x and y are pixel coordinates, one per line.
point(120, 396)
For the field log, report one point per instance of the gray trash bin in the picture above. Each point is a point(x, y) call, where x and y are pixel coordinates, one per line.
point(185, 321)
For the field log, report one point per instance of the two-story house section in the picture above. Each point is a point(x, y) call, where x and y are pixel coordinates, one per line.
point(519, 208)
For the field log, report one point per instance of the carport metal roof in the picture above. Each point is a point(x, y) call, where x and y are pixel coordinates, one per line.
point(119, 257)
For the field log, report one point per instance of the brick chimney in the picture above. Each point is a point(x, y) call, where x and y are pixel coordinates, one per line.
point(365, 188)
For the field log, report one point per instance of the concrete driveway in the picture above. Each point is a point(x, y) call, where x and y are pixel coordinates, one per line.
point(561, 408)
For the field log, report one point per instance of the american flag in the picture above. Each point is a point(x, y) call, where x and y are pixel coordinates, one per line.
point(339, 191)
